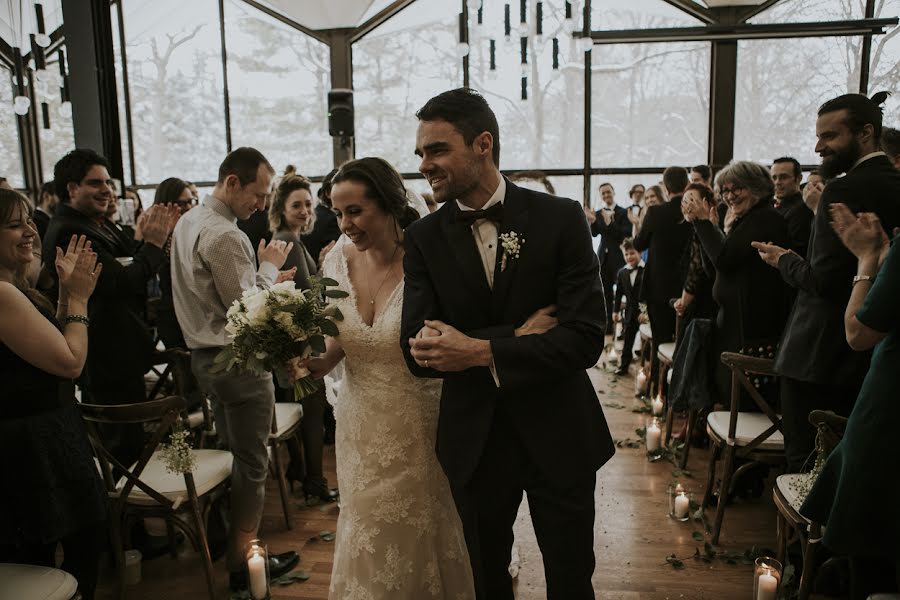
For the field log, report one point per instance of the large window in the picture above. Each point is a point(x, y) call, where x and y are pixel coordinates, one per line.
point(777, 98)
point(650, 104)
point(885, 64)
point(396, 69)
point(637, 14)
point(59, 138)
point(175, 80)
point(278, 82)
point(804, 11)
point(10, 153)
point(546, 128)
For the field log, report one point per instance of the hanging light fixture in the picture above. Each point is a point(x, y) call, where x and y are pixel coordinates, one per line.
point(523, 55)
point(507, 26)
point(65, 104)
point(42, 39)
point(462, 49)
point(523, 18)
point(539, 25)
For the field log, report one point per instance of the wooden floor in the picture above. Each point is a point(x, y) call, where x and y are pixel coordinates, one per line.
point(633, 535)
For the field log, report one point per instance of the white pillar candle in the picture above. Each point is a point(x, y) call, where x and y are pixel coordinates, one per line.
point(640, 382)
point(767, 587)
point(653, 436)
point(256, 567)
point(682, 505)
point(612, 355)
point(657, 406)
point(669, 377)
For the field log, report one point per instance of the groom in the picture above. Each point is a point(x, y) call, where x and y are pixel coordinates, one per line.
point(503, 301)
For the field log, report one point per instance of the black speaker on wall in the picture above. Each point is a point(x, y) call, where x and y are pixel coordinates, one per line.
point(340, 113)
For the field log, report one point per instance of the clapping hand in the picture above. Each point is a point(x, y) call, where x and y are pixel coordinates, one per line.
point(156, 223)
point(590, 215)
point(276, 252)
point(77, 269)
point(286, 275)
point(607, 215)
point(324, 251)
point(862, 233)
point(770, 253)
point(634, 216)
point(695, 208)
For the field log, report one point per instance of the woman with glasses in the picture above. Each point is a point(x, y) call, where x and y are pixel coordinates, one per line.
point(753, 299)
point(171, 192)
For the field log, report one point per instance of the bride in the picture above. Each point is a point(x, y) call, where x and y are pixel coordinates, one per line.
point(398, 534)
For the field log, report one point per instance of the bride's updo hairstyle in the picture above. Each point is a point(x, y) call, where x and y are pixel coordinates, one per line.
point(383, 184)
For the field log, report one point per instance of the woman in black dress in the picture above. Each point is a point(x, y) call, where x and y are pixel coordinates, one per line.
point(753, 300)
point(171, 191)
point(54, 493)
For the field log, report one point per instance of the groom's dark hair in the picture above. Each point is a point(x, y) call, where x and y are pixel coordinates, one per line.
point(468, 112)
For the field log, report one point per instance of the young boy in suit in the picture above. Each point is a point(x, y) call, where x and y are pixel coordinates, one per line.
point(629, 283)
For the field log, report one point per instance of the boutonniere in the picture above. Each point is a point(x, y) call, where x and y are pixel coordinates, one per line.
point(512, 245)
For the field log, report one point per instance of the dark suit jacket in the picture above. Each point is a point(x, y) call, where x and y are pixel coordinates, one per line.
point(667, 235)
point(41, 221)
point(799, 221)
point(633, 295)
point(611, 238)
point(325, 230)
point(257, 228)
point(814, 346)
point(543, 384)
point(119, 342)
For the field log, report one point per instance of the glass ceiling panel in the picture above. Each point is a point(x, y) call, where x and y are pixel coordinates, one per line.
point(18, 21)
point(637, 14)
point(803, 11)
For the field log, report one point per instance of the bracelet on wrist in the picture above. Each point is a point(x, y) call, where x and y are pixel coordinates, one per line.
point(78, 319)
point(858, 278)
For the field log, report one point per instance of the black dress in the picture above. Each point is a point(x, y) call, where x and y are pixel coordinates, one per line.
point(54, 488)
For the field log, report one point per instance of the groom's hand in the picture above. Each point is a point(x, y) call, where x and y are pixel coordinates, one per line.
point(449, 351)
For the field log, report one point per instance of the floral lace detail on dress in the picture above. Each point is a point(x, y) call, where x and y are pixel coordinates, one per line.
point(398, 536)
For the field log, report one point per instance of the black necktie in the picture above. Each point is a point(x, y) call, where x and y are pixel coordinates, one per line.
point(494, 213)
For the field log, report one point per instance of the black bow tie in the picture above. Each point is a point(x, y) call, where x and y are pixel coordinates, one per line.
point(494, 213)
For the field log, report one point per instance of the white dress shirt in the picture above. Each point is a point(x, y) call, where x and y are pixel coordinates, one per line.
point(213, 264)
point(486, 234)
point(486, 239)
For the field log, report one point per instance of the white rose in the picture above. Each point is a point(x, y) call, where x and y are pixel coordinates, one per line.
point(286, 320)
point(257, 311)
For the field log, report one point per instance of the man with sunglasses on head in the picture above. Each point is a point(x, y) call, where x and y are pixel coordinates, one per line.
point(119, 340)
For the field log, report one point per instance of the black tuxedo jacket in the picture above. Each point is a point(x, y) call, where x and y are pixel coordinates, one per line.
point(543, 384)
point(325, 230)
point(612, 236)
point(41, 221)
point(667, 235)
point(119, 342)
point(799, 220)
point(633, 294)
point(814, 346)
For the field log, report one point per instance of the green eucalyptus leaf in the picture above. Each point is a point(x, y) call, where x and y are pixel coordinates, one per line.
point(698, 537)
point(329, 328)
point(317, 343)
point(336, 294)
point(328, 282)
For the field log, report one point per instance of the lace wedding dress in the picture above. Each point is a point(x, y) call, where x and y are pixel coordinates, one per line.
point(398, 534)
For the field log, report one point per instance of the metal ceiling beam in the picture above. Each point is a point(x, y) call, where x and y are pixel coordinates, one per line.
point(6, 55)
point(289, 22)
point(743, 32)
point(693, 9)
point(383, 15)
point(751, 11)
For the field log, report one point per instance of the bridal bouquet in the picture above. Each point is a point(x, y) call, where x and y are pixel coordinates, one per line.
point(272, 328)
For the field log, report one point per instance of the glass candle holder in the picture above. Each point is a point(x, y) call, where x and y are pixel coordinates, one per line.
point(679, 502)
point(640, 383)
point(657, 406)
point(653, 434)
point(257, 557)
point(766, 578)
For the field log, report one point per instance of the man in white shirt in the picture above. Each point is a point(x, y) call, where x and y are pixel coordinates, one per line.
point(212, 265)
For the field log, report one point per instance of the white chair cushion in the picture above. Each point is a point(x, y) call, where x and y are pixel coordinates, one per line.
point(666, 351)
point(195, 419)
point(287, 415)
point(212, 468)
point(787, 485)
point(749, 426)
point(35, 583)
point(645, 331)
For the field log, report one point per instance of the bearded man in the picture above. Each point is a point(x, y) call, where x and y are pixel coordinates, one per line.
point(818, 369)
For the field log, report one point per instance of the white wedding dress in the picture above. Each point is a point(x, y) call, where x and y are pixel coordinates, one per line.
point(398, 534)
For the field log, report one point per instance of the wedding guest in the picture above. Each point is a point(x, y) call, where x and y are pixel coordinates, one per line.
point(753, 301)
point(325, 226)
point(787, 175)
point(636, 193)
point(701, 174)
point(118, 333)
point(4, 184)
point(852, 496)
point(812, 191)
point(54, 494)
point(817, 369)
point(696, 299)
point(45, 207)
point(176, 193)
point(651, 197)
point(611, 224)
point(629, 283)
point(890, 143)
point(290, 216)
point(534, 180)
point(213, 264)
point(666, 235)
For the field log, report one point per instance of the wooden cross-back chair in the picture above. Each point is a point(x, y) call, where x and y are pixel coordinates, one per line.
point(757, 437)
point(178, 378)
point(147, 490)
